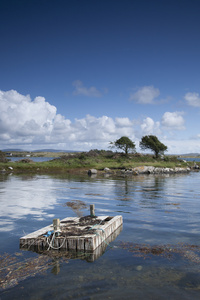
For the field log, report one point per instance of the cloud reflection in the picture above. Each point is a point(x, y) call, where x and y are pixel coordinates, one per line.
point(25, 198)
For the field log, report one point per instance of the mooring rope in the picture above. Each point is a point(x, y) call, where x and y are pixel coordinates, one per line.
point(50, 242)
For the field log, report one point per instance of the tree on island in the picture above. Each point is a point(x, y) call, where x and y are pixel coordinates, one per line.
point(125, 144)
point(3, 157)
point(152, 142)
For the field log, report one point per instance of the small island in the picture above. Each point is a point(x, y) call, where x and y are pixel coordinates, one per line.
point(96, 162)
point(109, 162)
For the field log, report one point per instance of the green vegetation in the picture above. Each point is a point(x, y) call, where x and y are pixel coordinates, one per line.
point(98, 159)
point(3, 158)
point(95, 159)
point(36, 154)
point(152, 143)
point(125, 144)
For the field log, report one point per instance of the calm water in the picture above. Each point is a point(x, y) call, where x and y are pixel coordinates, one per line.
point(197, 159)
point(156, 256)
point(36, 159)
point(41, 159)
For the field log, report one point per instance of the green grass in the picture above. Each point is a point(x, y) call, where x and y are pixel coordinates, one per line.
point(83, 161)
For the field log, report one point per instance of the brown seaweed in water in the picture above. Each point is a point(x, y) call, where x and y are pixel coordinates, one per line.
point(189, 252)
point(77, 206)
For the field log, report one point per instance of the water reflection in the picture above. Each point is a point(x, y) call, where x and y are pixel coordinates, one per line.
point(157, 210)
point(25, 196)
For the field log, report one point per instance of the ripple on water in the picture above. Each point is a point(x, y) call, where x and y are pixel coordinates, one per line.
point(156, 211)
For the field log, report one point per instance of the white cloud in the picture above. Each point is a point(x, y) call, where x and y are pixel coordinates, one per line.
point(173, 120)
point(94, 129)
point(182, 146)
point(23, 120)
point(193, 99)
point(21, 117)
point(145, 95)
point(150, 127)
point(123, 122)
point(35, 124)
point(80, 89)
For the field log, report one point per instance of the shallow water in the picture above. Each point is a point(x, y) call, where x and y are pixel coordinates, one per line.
point(36, 159)
point(156, 256)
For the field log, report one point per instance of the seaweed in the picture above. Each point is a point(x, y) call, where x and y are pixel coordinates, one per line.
point(187, 251)
point(13, 269)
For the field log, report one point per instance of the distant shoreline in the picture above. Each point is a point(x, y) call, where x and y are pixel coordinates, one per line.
point(79, 163)
point(58, 153)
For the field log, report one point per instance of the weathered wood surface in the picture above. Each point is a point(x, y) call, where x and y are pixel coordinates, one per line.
point(87, 242)
point(102, 248)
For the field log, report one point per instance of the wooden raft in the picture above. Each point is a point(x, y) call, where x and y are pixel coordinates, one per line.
point(93, 235)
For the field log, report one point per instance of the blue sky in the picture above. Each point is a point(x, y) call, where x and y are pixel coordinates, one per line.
point(75, 75)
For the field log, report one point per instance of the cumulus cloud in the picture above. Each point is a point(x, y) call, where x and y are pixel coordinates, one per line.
point(20, 117)
point(123, 122)
point(193, 99)
point(182, 146)
point(80, 89)
point(150, 127)
point(94, 129)
point(173, 120)
point(145, 95)
point(36, 124)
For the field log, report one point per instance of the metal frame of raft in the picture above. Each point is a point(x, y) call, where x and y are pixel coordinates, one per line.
point(95, 236)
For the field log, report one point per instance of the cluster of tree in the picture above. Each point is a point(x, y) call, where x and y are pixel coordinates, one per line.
point(3, 157)
point(148, 142)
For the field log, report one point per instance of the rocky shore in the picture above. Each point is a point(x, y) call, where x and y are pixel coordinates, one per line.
point(145, 170)
point(155, 170)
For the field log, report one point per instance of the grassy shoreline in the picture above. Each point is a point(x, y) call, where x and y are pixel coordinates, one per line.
point(60, 153)
point(79, 163)
point(40, 154)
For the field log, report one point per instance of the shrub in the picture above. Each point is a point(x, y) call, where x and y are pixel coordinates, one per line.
point(3, 157)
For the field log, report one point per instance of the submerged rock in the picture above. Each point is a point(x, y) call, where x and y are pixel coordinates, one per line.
point(92, 172)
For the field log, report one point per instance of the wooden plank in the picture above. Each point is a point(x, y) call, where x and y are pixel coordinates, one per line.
point(72, 243)
point(101, 249)
point(81, 244)
point(89, 243)
point(39, 232)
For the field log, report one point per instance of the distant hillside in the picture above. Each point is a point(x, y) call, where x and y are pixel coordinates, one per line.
point(12, 149)
point(70, 151)
point(41, 150)
point(190, 154)
point(53, 150)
